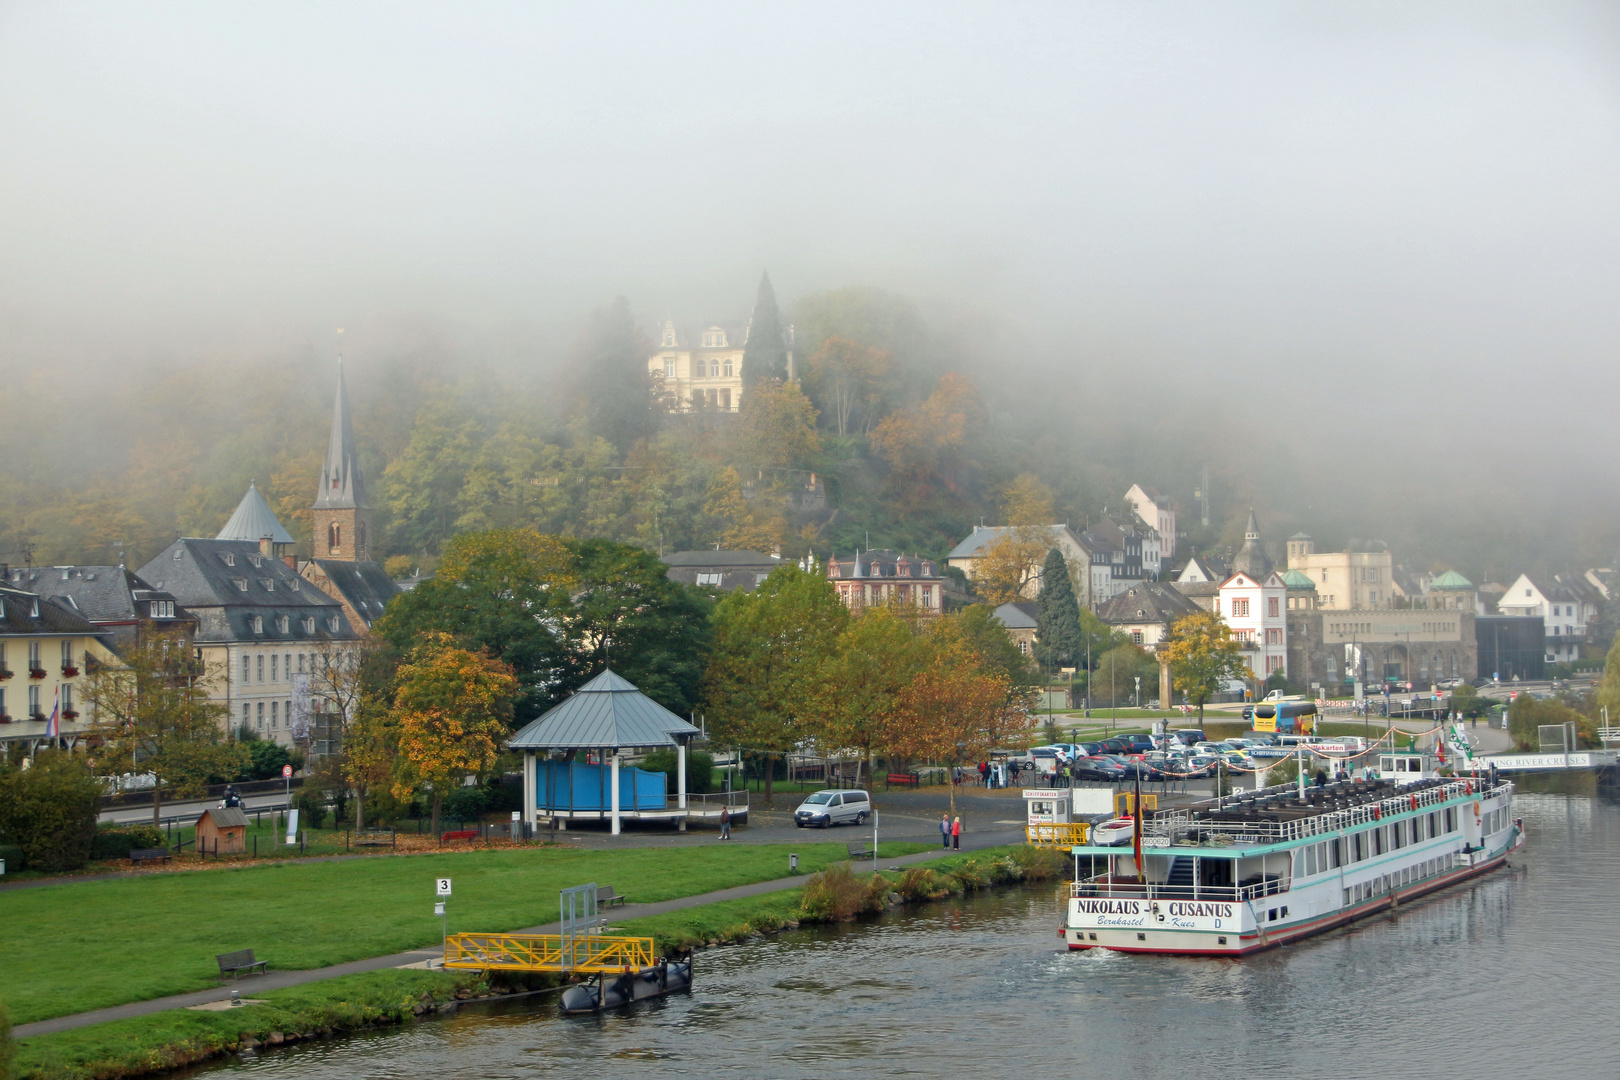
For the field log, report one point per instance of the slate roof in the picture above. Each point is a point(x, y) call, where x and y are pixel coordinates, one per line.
point(1149, 601)
point(983, 536)
point(20, 618)
point(606, 713)
point(726, 560)
point(254, 520)
point(1018, 615)
point(365, 585)
point(1252, 559)
point(102, 594)
point(225, 583)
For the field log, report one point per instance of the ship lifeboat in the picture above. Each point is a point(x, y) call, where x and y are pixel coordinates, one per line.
point(1116, 831)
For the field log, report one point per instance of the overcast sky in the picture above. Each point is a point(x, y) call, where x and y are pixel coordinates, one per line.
point(1372, 206)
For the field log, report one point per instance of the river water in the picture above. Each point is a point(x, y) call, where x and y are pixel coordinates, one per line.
point(1508, 976)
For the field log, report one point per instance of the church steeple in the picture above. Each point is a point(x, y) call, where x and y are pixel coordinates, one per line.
point(342, 511)
point(342, 486)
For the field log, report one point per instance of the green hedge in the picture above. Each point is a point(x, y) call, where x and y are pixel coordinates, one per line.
point(118, 843)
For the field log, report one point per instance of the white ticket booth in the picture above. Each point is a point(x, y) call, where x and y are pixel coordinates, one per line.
point(1048, 806)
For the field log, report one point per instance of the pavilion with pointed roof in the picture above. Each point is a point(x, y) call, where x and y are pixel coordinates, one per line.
point(605, 717)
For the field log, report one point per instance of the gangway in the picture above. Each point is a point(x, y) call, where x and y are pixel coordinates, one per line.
point(593, 954)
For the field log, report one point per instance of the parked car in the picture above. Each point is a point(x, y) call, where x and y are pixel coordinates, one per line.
point(826, 808)
point(1099, 767)
point(1189, 736)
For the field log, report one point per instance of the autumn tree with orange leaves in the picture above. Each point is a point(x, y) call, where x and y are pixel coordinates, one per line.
point(953, 711)
point(451, 708)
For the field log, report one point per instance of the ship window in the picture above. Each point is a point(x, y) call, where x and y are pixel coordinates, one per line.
point(1141, 937)
point(1310, 861)
point(1451, 819)
point(1220, 941)
point(1337, 850)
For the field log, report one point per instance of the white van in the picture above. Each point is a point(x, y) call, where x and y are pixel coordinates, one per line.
point(824, 808)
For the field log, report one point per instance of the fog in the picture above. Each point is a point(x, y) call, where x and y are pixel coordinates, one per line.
point(1376, 244)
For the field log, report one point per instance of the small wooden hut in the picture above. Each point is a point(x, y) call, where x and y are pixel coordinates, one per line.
point(222, 830)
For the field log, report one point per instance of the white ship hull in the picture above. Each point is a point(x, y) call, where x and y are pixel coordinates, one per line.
point(1347, 874)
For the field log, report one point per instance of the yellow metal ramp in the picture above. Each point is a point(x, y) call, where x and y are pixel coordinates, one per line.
point(585, 953)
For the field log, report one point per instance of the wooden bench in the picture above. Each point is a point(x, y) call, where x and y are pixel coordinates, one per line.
point(607, 896)
point(859, 851)
point(904, 779)
point(460, 834)
point(234, 963)
point(149, 854)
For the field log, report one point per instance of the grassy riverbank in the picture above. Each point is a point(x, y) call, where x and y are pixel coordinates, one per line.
point(86, 945)
point(179, 1037)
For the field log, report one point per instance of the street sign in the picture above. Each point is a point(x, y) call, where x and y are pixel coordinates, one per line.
point(438, 908)
point(443, 886)
point(286, 772)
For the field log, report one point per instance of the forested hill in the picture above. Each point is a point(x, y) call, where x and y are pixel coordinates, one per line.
point(896, 435)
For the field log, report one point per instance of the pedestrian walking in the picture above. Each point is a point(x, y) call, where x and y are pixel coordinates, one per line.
point(944, 830)
point(725, 823)
point(956, 835)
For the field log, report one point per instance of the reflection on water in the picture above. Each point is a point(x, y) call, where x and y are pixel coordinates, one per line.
point(1505, 977)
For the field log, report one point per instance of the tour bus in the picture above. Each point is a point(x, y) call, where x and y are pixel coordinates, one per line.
point(1284, 717)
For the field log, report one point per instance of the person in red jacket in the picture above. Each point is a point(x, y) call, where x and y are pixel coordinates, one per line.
point(956, 835)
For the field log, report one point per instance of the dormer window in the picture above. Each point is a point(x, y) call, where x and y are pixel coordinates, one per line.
point(257, 622)
point(256, 561)
point(669, 337)
point(333, 623)
point(33, 608)
point(309, 625)
point(241, 583)
point(162, 609)
point(269, 586)
point(293, 584)
point(281, 624)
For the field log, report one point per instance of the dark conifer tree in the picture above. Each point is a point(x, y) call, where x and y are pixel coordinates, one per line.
point(614, 387)
point(765, 354)
point(1058, 638)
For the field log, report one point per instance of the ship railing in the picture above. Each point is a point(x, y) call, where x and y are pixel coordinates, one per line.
point(1104, 887)
point(1179, 823)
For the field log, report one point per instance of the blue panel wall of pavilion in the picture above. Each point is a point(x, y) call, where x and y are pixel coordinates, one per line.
point(564, 785)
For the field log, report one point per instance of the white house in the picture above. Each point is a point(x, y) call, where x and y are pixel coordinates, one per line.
point(1256, 608)
point(1559, 609)
point(1154, 509)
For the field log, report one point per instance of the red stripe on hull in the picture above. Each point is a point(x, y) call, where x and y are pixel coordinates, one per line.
point(1327, 922)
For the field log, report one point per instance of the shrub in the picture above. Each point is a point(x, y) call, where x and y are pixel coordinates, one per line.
point(265, 759)
point(311, 806)
point(921, 883)
point(12, 855)
point(972, 874)
point(118, 843)
point(466, 803)
point(699, 769)
point(837, 895)
point(49, 810)
point(1040, 863)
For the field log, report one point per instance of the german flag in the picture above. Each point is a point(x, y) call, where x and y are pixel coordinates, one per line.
point(1136, 829)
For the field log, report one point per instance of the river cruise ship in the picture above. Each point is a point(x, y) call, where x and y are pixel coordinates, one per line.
point(1252, 870)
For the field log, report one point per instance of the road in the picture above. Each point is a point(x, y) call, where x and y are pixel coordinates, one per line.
point(188, 810)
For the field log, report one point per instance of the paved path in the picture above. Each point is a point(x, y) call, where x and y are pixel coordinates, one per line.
point(277, 980)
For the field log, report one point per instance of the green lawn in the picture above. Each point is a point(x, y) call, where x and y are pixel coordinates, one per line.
point(85, 945)
point(182, 1037)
